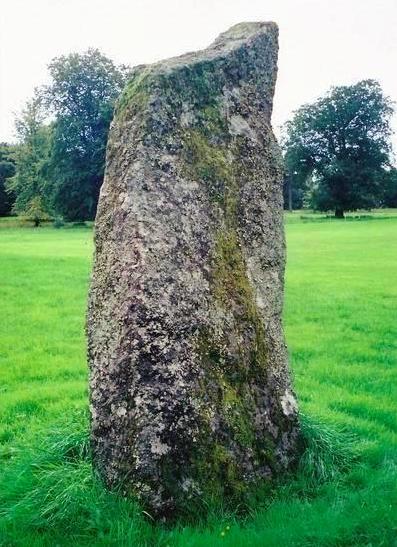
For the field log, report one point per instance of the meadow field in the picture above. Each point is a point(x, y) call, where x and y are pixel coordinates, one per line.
point(341, 328)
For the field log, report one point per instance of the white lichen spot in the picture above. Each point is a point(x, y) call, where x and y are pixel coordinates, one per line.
point(125, 201)
point(240, 126)
point(288, 403)
point(121, 411)
point(259, 301)
point(159, 448)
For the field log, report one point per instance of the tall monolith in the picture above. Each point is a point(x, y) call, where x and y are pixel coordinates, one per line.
point(190, 387)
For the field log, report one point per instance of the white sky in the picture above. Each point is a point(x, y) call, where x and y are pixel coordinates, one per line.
point(322, 42)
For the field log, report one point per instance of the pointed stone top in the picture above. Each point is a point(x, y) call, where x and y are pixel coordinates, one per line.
point(244, 31)
point(236, 37)
point(247, 52)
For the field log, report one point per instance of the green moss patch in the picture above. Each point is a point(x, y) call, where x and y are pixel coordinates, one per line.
point(207, 162)
point(135, 95)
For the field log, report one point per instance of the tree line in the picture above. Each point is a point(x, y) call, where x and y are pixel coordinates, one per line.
point(337, 150)
point(57, 167)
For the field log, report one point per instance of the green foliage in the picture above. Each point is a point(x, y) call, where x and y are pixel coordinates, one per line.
point(390, 188)
point(35, 211)
point(341, 331)
point(81, 95)
point(338, 147)
point(7, 170)
point(59, 222)
point(62, 163)
point(30, 184)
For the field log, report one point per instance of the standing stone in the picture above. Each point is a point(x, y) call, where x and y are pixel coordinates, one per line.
point(190, 388)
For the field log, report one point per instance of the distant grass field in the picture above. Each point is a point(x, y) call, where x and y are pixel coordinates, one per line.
point(341, 326)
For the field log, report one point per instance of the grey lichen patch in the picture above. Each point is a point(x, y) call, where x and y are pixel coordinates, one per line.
point(239, 126)
point(189, 382)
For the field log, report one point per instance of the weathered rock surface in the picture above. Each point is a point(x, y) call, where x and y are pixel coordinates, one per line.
point(190, 388)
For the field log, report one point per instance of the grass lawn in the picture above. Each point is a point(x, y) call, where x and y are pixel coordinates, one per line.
point(341, 326)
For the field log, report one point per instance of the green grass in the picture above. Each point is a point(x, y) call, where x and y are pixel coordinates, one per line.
point(340, 316)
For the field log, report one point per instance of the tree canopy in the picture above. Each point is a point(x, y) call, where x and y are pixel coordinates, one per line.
point(338, 147)
point(7, 170)
point(30, 181)
point(81, 95)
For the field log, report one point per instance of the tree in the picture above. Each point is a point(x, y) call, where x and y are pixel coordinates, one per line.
point(390, 188)
point(339, 146)
point(81, 95)
point(7, 170)
point(36, 211)
point(31, 157)
point(294, 183)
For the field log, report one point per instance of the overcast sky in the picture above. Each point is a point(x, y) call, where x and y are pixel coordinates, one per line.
point(322, 42)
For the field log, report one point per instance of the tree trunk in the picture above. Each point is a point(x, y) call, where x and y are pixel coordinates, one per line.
point(289, 194)
point(339, 213)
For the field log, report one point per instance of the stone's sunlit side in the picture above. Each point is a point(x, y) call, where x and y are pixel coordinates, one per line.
point(190, 387)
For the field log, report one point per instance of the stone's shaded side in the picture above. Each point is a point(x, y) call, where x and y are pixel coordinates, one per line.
point(190, 388)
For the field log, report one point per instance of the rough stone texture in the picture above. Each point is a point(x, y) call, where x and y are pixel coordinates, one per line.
point(190, 388)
